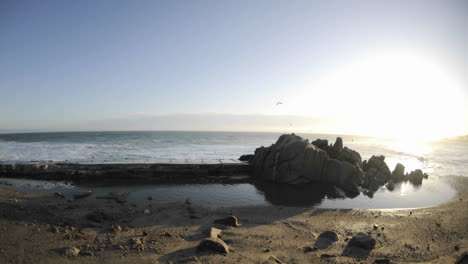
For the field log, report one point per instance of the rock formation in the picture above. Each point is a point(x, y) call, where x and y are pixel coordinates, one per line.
point(295, 160)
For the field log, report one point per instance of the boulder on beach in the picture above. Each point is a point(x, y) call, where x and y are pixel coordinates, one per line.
point(325, 239)
point(359, 246)
point(213, 244)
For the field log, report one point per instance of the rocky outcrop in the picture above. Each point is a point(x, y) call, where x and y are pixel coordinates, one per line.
point(398, 173)
point(294, 160)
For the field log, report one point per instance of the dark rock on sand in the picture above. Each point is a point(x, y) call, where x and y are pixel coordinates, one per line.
point(359, 246)
point(228, 221)
point(463, 259)
point(325, 239)
point(213, 244)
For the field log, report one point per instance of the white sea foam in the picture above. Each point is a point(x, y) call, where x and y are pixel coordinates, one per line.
point(439, 158)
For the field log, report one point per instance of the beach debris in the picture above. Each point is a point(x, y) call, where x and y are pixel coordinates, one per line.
point(228, 221)
point(325, 239)
point(213, 244)
point(375, 227)
point(81, 195)
point(54, 230)
point(165, 234)
point(116, 228)
point(70, 251)
point(188, 201)
point(137, 244)
point(147, 211)
point(274, 260)
point(359, 246)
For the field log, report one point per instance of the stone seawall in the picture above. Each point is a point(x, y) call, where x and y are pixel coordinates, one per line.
point(146, 172)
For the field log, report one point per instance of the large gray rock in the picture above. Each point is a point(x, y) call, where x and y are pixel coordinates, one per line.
point(294, 160)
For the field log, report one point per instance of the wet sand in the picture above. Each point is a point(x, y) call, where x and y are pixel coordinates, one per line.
point(35, 228)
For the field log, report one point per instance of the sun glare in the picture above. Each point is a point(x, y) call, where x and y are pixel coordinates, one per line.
point(395, 94)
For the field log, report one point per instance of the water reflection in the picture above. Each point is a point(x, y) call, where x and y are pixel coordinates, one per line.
point(299, 194)
point(404, 195)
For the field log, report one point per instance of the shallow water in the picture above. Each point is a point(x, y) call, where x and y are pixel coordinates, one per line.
point(405, 195)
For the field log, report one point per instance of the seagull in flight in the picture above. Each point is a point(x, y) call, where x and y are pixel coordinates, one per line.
point(278, 103)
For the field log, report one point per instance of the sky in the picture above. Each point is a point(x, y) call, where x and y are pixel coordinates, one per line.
point(388, 68)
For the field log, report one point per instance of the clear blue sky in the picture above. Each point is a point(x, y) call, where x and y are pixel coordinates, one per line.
point(67, 65)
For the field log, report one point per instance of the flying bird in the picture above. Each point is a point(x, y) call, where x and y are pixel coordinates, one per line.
point(278, 103)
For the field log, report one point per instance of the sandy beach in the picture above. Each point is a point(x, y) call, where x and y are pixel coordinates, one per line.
point(38, 228)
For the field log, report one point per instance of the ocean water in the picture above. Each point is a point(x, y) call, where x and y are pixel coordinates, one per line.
point(437, 158)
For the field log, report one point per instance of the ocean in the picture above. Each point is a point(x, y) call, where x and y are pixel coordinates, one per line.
point(434, 157)
point(437, 158)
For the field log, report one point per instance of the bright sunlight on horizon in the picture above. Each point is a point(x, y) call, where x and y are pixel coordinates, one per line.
point(395, 94)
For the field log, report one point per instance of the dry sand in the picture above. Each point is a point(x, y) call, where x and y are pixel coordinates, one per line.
point(35, 229)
